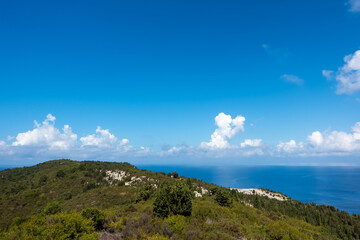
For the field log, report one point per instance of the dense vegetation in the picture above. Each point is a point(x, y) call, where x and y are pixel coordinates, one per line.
point(66, 199)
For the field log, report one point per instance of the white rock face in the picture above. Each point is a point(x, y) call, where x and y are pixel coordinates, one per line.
point(261, 192)
point(115, 175)
point(200, 194)
point(197, 194)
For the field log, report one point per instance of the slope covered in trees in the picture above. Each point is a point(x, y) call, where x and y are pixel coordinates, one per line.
point(66, 199)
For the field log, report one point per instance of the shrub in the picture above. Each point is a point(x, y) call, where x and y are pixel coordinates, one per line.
point(60, 174)
point(145, 193)
point(222, 198)
point(177, 223)
point(173, 199)
point(52, 208)
point(67, 196)
point(89, 186)
point(70, 226)
point(43, 179)
point(97, 216)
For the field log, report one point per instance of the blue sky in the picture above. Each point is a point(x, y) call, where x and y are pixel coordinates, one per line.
point(157, 73)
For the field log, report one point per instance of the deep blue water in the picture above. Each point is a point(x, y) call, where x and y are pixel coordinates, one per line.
point(336, 186)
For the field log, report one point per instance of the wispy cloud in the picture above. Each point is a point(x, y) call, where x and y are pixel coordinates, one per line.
point(354, 5)
point(292, 79)
point(280, 54)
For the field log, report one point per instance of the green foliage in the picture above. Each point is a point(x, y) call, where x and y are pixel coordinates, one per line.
point(177, 223)
point(173, 199)
point(144, 193)
point(60, 226)
point(257, 203)
point(89, 186)
point(67, 195)
point(43, 179)
point(60, 174)
point(97, 216)
point(110, 210)
point(52, 208)
point(222, 197)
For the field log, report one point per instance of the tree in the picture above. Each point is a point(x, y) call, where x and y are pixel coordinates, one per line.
point(173, 199)
point(222, 198)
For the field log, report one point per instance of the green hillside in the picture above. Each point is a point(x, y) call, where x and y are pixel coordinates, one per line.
point(64, 199)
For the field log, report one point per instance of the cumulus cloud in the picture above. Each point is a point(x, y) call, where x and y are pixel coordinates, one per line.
point(354, 5)
point(325, 143)
point(347, 76)
point(46, 134)
point(227, 128)
point(336, 141)
point(46, 141)
point(292, 79)
point(103, 138)
point(251, 143)
point(289, 147)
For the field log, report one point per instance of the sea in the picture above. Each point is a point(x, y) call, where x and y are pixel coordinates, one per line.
point(336, 186)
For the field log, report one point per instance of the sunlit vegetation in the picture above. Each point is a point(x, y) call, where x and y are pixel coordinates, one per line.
point(65, 199)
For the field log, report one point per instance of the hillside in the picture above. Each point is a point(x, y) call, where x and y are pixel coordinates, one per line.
point(65, 199)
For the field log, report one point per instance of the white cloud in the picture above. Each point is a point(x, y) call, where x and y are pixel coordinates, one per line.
point(336, 141)
point(292, 79)
point(227, 128)
point(354, 5)
point(46, 134)
point(289, 147)
point(316, 138)
point(347, 76)
point(102, 138)
point(251, 143)
point(45, 141)
point(328, 74)
point(325, 143)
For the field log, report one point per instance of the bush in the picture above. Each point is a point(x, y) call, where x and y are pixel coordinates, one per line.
point(89, 186)
point(69, 226)
point(97, 216)
point(173, 199)
point(60, 174)
point(52, 208)
point(145, 193)
point(67, 196)
point(43, 179)
point(222, 198)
